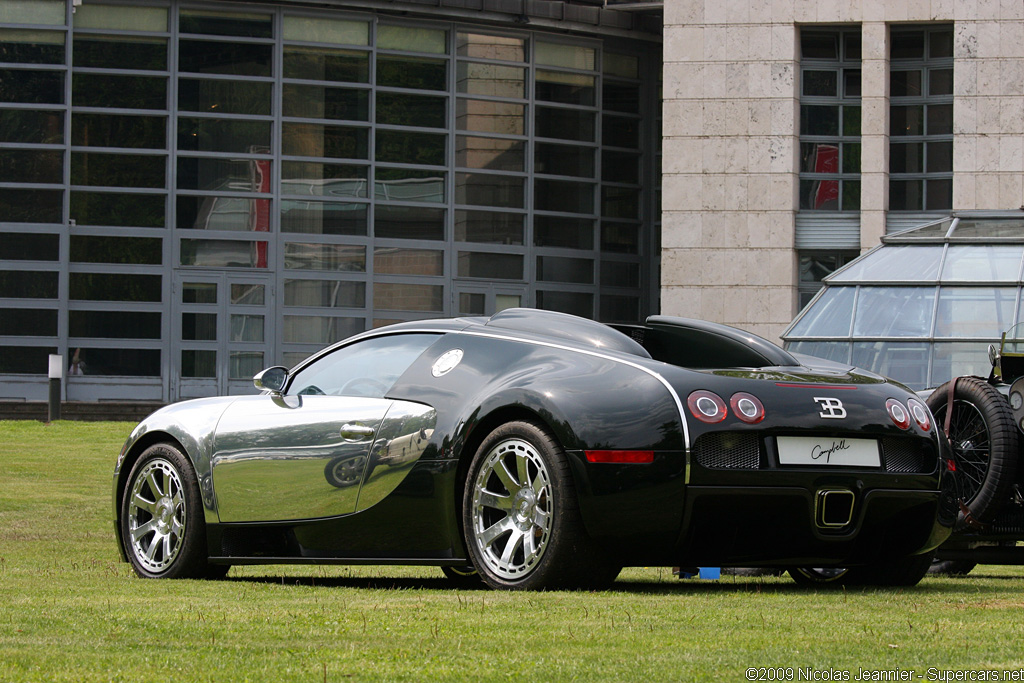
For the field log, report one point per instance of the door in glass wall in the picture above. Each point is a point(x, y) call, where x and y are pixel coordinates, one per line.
point(220, 332)
point(486, 300)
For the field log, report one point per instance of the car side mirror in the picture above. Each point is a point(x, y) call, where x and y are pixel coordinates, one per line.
point(272, 379)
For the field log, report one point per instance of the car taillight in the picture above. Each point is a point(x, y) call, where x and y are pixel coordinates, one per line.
point(747, 407)
point(899, 414)
point(707, 406)
point(920, 414)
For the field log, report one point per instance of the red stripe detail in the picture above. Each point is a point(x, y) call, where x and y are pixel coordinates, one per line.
point(823, 387)
point(622, 457)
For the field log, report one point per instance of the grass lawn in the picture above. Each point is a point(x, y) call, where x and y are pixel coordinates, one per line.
point(71, 611)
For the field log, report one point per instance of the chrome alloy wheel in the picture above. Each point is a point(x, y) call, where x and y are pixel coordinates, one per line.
point(512, 508)
point(156, 516)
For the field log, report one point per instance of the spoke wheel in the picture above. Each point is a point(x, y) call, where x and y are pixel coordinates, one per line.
point(162, 527)
point(345, 471)
point(512, 508)
point(983, 440)
point(521, 516)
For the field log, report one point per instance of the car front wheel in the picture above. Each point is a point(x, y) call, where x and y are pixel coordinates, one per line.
point(521, 516)
point(162, 526)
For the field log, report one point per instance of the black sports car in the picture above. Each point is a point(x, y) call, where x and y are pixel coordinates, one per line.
point(535, 450)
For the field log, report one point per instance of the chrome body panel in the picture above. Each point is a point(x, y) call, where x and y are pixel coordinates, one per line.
point(402, 439)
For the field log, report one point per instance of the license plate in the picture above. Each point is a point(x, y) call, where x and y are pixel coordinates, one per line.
point(824, 451)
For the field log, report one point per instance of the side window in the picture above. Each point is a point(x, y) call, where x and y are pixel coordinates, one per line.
point(366, 368)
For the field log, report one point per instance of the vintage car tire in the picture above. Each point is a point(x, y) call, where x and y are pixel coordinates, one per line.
point(463, 577)
point(162, 493)
point(984, 482)
point(345, 471)
point(537, 540)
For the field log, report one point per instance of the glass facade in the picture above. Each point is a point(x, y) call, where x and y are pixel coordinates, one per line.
point(192, 192)
point(924, 306)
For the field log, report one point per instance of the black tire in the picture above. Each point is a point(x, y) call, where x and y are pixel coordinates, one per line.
point(907, 571)
point(163, 531)
point(952, 567)
point(463, 577)
point(521, 516)
point(345, 471)
point(984, 443)
point(819, 576)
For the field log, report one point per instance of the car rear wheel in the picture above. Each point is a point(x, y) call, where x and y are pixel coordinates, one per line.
point(819, 576)
point(905, 571)
point(983, 439)
point(521, 517)
point(162, 526)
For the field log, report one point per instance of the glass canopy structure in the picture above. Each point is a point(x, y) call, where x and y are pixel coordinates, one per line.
point(923, 306)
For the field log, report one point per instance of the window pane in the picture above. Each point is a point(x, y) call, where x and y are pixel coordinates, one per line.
point(223, 213)
point(618, 131)
point(568, 56)
point(247, 295)
point(420, 73)
point(906, 195)
point(412, 39)
point(113, 325)
point(28, 322)
point(308, 329)
point(339, 257)
point(495, 154)
point(940, 82)
point(223, 253)
point(119, 92)
point(488, 227)
point(940, 157)
point(322, 102)
point(29, 246)
point(31, 87)
point(109, 249)
point(940, 45)
point(620, 238)
point(819, 120)
point(224, 175)
point(120, 18)
point(908, 45)
point(323, 218)
point(940, 194)
point(894, 312)
point(561, 195)
point(620, 167)
point(906, 157)
point(819, 157)
point(400, 261)
point(246, 328)
point(394, 296)
point(819, 46)
point(411, 110)
point(565, 88)
point(851, 83)
point(318, 140)
point(111, 208)
point(118, 170)
point(899, 361)
point(568, 233)
point(120, 362)
point(114, 52)
point(562, 269)
point(25, 360)
point(563, 160)
point(32, 12)
point(495, 80)
point(940, 119)
point(402, 222)
point(31, 166)
point(223, 135)
point(114, 287)
point(565, 124)
point(409, 185)
point(483, 46)
point(325, 293)
point(982, 263)
point(32, 206)
point(199, 293)
point(323, 64)
point(114, 130)
point(574, 303)
point(198, 363)
point(489, 190)
point(319, 179)
point(905, 83)
point(830, 315)
point(906, 120)
point(224, 97)
point(621, 97)
point(819, 195)
point(244, 364)
point(484, 116)
point(324, 30)
point(616, 202)
point(851, 157)
point(215, 57)
point(490, 266)
point(23, 284)
point(31, 47)
point(851, 195)
point(25, 125)
point(620, 274)
point(820, 83)
point(248, 25)
point(909, 263)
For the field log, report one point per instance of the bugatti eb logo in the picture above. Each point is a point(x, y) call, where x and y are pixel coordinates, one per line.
point(831, 408)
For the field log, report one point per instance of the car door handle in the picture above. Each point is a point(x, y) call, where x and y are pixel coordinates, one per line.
point(356, 432)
